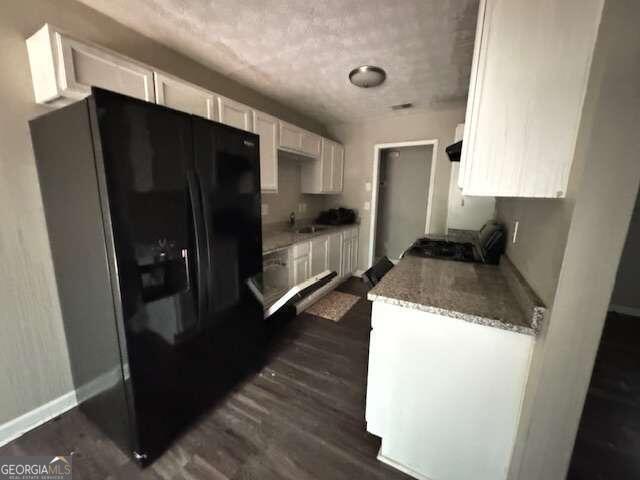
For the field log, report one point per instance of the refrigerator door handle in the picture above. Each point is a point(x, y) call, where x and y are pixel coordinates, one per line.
point(200, 244)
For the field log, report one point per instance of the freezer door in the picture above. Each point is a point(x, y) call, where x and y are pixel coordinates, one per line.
point(228, 167)
point(152, 203)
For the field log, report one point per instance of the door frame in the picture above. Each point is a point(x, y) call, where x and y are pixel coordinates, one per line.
point(377, 148)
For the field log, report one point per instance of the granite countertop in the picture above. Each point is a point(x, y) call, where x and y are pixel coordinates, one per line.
point(280, 236)
point(491, 295)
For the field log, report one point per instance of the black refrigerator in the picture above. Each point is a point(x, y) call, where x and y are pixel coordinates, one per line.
point(154, 225)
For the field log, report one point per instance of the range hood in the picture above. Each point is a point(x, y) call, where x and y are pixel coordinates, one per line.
point(454, 151)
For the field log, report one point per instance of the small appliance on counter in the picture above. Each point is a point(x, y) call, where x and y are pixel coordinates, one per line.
point(488, 247)
point(337, 216)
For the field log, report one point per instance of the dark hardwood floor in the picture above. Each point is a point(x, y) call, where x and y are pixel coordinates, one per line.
point(608, 441)
point(301, 417)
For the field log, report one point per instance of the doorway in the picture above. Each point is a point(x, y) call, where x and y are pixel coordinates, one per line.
point(402, 196)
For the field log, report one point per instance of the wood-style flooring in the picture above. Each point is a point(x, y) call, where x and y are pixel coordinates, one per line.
point(608, 442)
point(301, 417)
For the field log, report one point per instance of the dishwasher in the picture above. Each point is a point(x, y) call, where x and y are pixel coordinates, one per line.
point(275, 276)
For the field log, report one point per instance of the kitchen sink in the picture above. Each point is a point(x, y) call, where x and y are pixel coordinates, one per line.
point(310, 229)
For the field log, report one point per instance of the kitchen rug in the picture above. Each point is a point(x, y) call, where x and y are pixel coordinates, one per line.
point(333, 306)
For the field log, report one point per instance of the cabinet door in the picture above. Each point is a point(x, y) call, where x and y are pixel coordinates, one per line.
point(326, 165)
point(290, 137)
point(64, 70)
point(354, 254)
point(183, 96)
point(524, 110)
point(346, 256)
point(311, 144)
point(337, 168)
point(300, 269)
point(235, 114)
point(266, 127)
point(319, 255)
point(334, 253)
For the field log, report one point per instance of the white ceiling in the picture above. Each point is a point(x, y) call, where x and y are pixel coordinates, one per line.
point(300, 52)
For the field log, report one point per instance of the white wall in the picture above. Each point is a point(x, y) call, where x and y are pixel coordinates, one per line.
point(34, 366)
point(281, 204)
point(605, 192)
point(359, 140)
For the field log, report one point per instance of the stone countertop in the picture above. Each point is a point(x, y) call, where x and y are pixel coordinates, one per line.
point(279, 237)
point(496, 296)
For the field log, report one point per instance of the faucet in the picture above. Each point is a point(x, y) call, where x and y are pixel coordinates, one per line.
point(292, 219)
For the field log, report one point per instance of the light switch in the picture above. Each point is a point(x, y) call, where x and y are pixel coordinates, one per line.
point(300, 207)
point(367, 205)
point(264, 209)
point(367, 186)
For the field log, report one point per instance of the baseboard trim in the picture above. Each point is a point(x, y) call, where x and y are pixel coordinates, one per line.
point(632, 311)
point(19, 426)
point(400, 467)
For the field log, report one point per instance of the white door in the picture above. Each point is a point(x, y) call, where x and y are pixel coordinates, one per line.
point(235, 114)
point(183, 96)
point(337, 168)
point(319, 255)
point(334, 255)
point(403, 193)
point(266, 127)
point(300, 269)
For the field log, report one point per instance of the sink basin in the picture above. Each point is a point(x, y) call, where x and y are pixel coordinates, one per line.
point(310, 229)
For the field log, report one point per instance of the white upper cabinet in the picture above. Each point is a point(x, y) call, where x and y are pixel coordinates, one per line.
point(63, 70)
point(337, 168)
point(324, 175)
point(528, 81)
point(266, 127)
point(311, 144)
point(297, 140)
point(235, 114)
point(183, 96)
point(290, 137)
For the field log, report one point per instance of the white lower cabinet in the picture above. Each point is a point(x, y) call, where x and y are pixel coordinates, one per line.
point(334, 253)
point(300, 269)
point(318, 258)
point(349, 251)
point(444, 394)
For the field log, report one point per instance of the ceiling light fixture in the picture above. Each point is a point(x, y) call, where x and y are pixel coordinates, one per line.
point(367, 76)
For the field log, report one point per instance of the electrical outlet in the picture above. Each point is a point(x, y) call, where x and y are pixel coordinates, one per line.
point(300, 207)
point(304, 207)
point(265, 209)
point(516, 224)
point(367, 205)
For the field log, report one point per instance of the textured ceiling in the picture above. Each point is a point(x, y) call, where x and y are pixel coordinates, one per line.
point(300, 52)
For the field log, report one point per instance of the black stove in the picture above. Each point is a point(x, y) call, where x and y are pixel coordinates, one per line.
point(461, 252)
point(487, 248)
